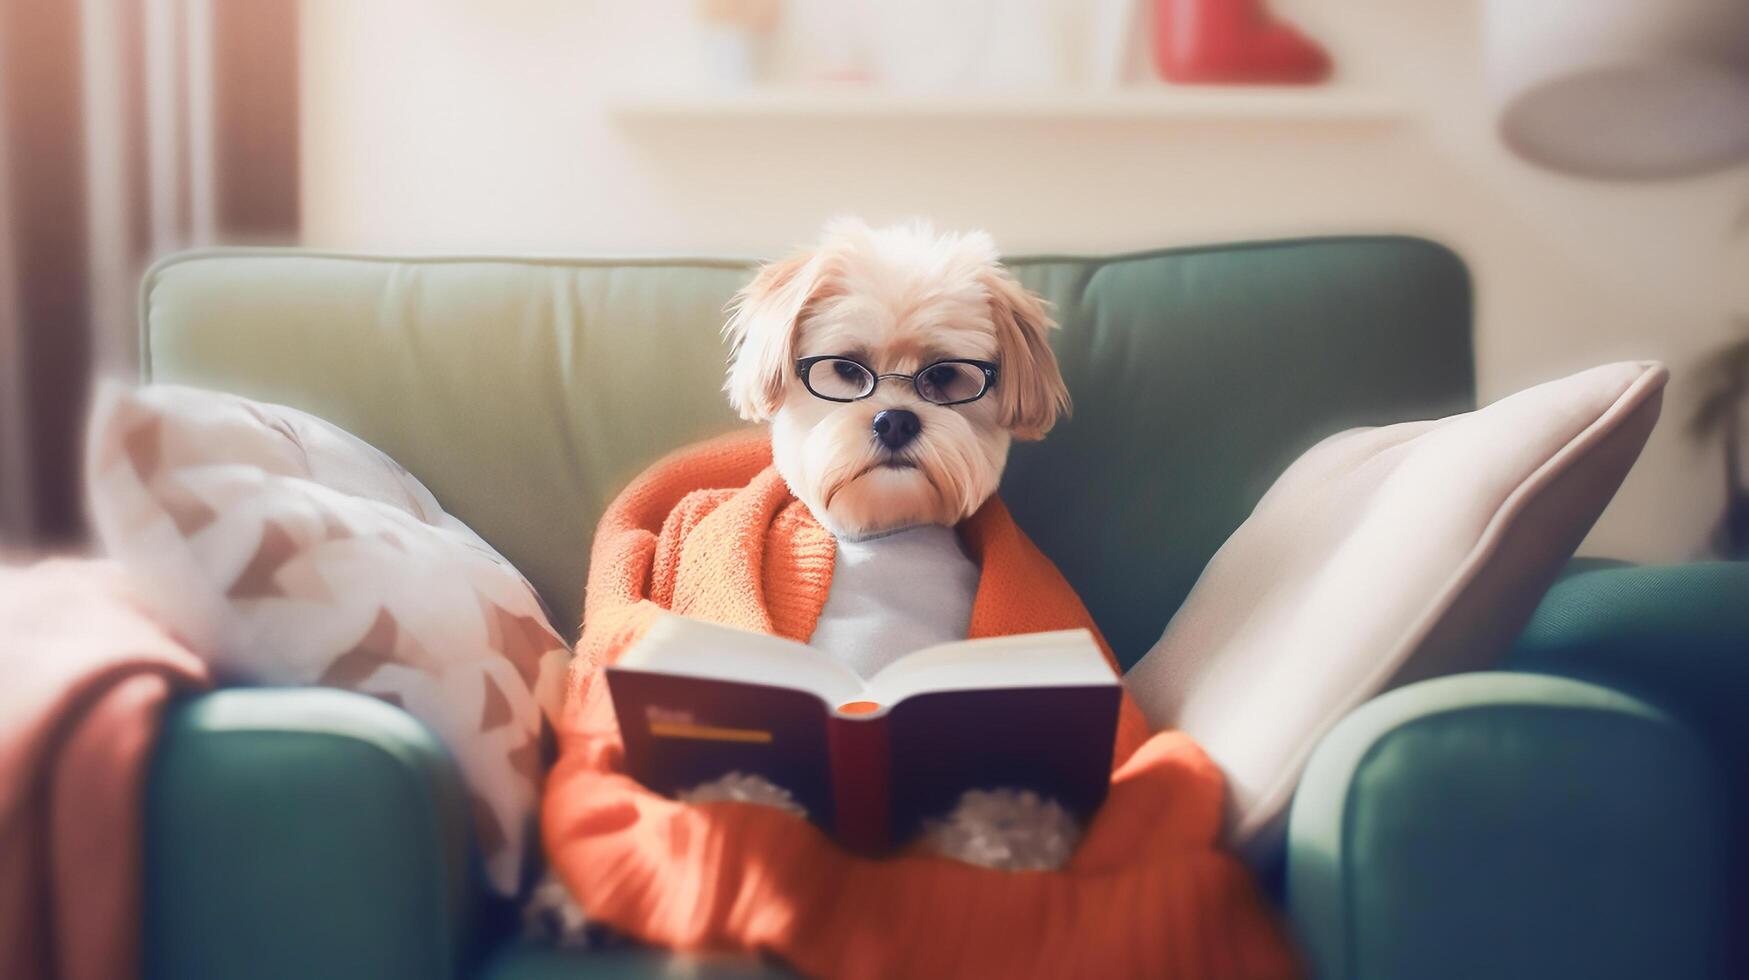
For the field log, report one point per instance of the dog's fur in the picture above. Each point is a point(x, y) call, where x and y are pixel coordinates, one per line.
point(898, 298)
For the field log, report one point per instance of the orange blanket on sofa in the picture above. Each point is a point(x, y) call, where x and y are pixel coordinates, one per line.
point(713, 532)
point(84, 675)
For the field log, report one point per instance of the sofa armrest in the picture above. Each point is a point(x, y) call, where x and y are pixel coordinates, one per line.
point(1676, 635)
point(1509, 826)
point(295, 832)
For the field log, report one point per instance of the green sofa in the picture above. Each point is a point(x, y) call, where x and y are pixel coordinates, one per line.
point(1567, 816)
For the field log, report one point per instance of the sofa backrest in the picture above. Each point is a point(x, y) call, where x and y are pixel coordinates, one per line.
point(526, 392)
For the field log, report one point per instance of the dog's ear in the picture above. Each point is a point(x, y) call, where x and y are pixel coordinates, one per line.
point(1030, 389)
point(764, 318)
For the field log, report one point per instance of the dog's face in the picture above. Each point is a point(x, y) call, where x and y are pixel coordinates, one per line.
point(894, 301)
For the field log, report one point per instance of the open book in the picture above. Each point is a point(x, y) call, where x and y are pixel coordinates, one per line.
point(870, 760)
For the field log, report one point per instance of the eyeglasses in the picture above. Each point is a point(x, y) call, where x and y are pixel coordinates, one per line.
point(949, 382)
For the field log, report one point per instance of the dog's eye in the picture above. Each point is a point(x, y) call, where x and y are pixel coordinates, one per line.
point(950, 382)
point(838, 378)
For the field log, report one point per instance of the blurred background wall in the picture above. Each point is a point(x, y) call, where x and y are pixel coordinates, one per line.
point(452, 125)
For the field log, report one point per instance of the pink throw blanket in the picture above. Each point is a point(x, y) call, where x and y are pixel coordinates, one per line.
point(84, 675)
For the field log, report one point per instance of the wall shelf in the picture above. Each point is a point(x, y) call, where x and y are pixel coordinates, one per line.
point(1141, 104)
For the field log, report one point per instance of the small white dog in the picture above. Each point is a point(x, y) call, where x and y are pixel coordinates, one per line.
point(895, 367)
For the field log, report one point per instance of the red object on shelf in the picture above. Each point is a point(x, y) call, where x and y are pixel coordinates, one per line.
point(1233, 41)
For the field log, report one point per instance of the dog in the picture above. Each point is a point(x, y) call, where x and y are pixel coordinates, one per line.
point(895, 367)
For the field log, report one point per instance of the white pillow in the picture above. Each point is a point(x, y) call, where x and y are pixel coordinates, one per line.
point(1384, 556)
point(285, 551)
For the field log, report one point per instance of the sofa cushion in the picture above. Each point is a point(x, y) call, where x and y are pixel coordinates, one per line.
point(1383, 556)
point(284, 551)
point(524, 391)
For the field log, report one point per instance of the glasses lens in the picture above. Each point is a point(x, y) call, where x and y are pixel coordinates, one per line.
point(950, 381)
point(836, 377)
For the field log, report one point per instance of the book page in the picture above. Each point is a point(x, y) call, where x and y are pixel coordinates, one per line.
point(694, 648)
point(1066, 658)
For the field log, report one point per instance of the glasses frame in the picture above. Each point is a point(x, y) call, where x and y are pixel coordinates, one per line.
point(991, 371)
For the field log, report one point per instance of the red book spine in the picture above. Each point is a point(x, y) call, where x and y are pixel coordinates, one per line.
point(861, 782)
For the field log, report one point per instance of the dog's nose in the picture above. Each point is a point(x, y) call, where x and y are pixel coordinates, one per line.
point(895, 427)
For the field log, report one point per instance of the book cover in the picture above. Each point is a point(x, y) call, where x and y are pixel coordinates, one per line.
point(869, 760)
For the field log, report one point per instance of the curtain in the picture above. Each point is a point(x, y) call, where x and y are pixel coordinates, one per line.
point(128, 129)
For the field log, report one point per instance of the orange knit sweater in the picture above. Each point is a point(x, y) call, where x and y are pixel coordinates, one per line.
point(713, 532)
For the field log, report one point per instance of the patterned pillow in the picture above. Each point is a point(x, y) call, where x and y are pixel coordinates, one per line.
point(285, 551)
